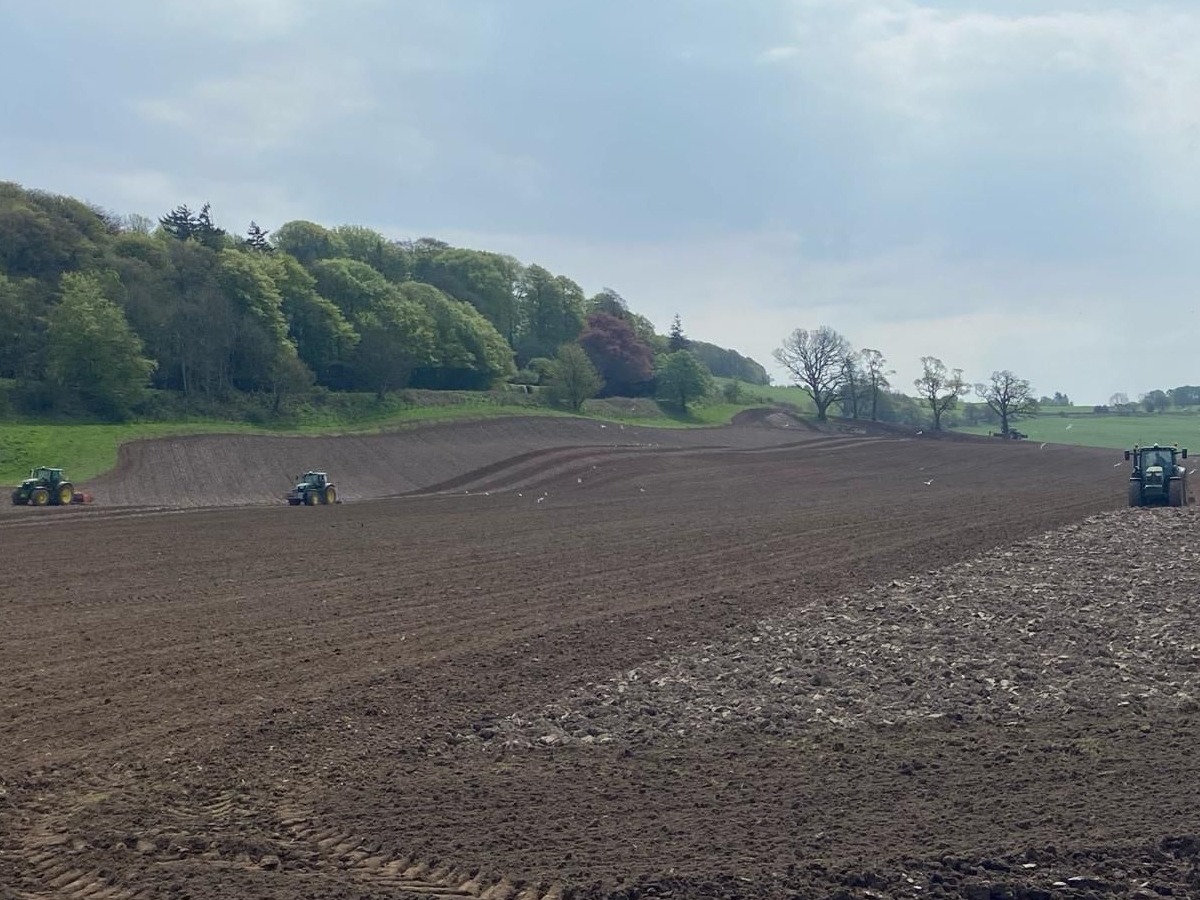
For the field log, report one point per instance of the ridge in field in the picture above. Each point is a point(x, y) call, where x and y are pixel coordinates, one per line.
point(207, 470)
point(212, 470)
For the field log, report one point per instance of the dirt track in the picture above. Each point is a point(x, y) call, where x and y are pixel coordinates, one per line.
point(272, 702)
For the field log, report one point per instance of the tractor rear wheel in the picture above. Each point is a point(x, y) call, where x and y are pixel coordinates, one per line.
point(40, 497)
point(310, 498)
point(330, 495)
point(65, 494)
point(1135, 494)
point(1175, 493)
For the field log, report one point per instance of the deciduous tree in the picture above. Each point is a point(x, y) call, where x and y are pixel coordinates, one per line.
point(624, 362)
point(876, 372)
point(815, 361)
point(683, 379)
point(308, 241)
point(396, 338)
point(939, 387)
point(551, 313)
point(573, 379)
point(92, 350)
point(1009, 397)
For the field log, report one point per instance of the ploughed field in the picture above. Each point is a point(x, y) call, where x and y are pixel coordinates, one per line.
point(760, 664)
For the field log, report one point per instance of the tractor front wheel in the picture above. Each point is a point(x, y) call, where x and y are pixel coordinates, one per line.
point(330, 495)
point(66, 493)
point(1135, 494)
point(40, 497)
point(18, 499)
point(311, 499)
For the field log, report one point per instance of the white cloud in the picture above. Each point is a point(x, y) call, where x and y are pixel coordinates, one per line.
point(237, 20)
point(775, 55)
point(970, 75)
point(267, 106)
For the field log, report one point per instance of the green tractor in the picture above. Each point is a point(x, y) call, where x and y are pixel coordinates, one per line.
point(46, 487)
point(312, 488)
point(1157, 477)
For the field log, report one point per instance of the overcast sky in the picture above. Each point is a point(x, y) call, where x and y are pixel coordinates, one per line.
point(999, 183)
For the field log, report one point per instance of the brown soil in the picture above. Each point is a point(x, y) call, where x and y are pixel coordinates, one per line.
point(545, 681)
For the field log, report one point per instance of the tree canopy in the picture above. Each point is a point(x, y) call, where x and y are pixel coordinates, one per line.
point(683, 379)
point(190, 307)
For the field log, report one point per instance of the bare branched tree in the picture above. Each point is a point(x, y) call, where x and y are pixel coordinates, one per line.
point(816, 361)
point(875, 372)
point(1009, 397)
point(940, 387)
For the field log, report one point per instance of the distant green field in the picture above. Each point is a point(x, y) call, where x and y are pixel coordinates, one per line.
point(754, 394)
point(1117, 432)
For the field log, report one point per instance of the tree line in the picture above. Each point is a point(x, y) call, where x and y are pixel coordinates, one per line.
point(95, 307)
point(1186, 396)
point(831, 371)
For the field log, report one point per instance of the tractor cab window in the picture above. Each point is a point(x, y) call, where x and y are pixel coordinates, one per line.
point(1156, 458)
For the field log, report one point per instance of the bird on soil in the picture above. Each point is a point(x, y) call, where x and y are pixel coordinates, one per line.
point(930, 481)
point(1042, 447)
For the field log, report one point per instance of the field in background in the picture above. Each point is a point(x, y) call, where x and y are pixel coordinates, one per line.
point(1117, 432)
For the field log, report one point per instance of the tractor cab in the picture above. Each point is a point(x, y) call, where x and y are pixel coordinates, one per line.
point(311, 480)
point(1157, 476)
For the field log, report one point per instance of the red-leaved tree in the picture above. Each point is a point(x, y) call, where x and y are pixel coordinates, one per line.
point(624, 362)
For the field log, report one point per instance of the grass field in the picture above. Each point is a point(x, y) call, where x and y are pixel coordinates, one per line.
point(1117, 432)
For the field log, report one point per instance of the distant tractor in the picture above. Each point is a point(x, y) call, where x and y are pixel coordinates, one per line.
point(312, 488)
point(1157, 477)
point(46, 486)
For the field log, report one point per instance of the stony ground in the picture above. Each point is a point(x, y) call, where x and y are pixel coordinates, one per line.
point(750, 667)
point(1094, 617)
